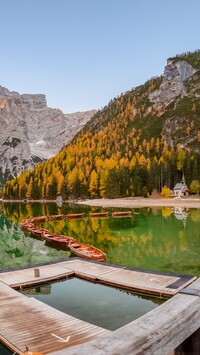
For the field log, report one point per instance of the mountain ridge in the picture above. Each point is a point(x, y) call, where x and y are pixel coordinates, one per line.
point(31, 131)
point(141, 141)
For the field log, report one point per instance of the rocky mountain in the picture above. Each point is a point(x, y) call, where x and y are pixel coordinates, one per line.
point(166, 106)
point(172, 85)
point(140, 142)
point(177, 99)
point(31, 131)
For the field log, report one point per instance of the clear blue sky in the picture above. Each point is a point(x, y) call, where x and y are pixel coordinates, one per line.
point(83, 53)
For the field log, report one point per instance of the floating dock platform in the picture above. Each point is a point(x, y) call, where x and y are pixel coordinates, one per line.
point(29, 322)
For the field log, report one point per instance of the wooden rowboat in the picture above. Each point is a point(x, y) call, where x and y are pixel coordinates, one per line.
point(37, 231)
point(55, 217)
point(122, 214)
point(74, 215)
point(86, 251)
point(57, 238)
point(27, 225)
point(37, 219)
point(98, 214)
point(80, 249)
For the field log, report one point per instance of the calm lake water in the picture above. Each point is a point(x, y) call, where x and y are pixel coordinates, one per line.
point(160, 239)
point(155, 239)
point(103, 306)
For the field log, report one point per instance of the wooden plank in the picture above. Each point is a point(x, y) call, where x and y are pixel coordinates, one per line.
point(157, 332)
point(132, 279)
point(29, 322)
point(88, 269)
point(136, 280)
point(145, 282)
point(27, 276)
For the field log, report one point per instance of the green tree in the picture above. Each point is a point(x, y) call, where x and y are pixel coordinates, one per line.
point(195, 187)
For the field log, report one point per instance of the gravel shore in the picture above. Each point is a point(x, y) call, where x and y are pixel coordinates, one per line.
point(191, 202)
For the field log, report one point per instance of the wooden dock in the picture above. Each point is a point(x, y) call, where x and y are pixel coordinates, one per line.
point(173, 325)
point(147, 282)
point(29, 322)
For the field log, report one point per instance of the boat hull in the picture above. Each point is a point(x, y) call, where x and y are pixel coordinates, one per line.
point(82, 250)
point(98, 214)
point(74, 215)
point(56, 217)
point(122, 214)
point(57, 239)
point(87, 251)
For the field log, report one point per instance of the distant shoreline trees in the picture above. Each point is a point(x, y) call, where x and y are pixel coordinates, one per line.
point(76, 172)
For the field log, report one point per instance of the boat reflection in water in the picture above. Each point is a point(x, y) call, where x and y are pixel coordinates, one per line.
point(151, 239)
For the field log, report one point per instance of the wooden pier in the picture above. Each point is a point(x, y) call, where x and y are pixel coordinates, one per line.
point(147, 282)
point(166, 330)
point(29, 322)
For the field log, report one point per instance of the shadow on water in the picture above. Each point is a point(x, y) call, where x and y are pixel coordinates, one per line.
point(4, 350)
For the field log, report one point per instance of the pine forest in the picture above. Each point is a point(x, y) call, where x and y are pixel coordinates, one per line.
point(126, 149)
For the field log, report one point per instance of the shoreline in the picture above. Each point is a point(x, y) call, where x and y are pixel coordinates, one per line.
point(125, 202)
point(143, 202)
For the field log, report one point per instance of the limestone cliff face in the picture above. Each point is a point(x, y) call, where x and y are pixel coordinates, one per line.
point(180, 81)
point(172, 85)
point(31, 131)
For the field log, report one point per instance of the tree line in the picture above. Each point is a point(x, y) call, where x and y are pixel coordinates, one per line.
point(79, 172)
point(120, 152)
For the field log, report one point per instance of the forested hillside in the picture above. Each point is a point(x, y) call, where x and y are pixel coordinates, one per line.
point(141, 141)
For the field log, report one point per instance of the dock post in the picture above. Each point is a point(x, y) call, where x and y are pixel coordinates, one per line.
point(37, 272)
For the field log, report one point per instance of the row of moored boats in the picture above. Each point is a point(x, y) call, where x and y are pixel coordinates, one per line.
point(79, 249)
point(83, 250)
point(58, 217)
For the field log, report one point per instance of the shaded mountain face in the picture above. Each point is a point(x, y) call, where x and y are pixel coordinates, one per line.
point(31, 131)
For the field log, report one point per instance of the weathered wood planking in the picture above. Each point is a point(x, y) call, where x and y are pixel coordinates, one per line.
point(29, 322)
point(28, 276)
point(88, 270)
point(145, 282)
point(136, 280)
point(131, 279)
point(158, 332)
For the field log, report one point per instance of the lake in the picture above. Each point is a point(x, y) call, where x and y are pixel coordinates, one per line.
point(104, 306)
point(160, 239)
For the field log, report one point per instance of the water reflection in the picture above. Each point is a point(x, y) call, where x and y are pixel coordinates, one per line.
point(181, 214)
point(18, 249)
point(163, 239)
point(107, 307)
